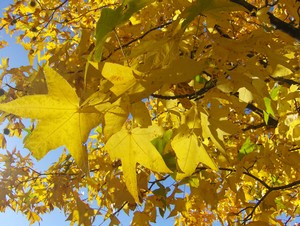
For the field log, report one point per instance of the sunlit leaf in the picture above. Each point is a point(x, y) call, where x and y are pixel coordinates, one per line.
point(246, 148)
point(161, 142)
point(269, 110)
point(122, 77)
point(281, 71)
point(245, 95)
point(111, 18)
point(134, 147)
point(61, 120)
point(190, 152)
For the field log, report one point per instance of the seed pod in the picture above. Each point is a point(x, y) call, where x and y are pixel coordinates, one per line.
point(6, 131)
point(32, 3)
point(33, 29)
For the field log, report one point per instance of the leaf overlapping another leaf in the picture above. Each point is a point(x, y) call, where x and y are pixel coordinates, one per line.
point(111, 18)
point(190, 152)
point(134, 147)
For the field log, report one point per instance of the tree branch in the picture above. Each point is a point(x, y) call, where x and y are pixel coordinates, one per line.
point(196, 95)
point(287, 28)
point(281, 80)
point(268, 187)
point(138, 38)
point(155, 181)
point(250, 215)
point(271, 122)
point(115, 212)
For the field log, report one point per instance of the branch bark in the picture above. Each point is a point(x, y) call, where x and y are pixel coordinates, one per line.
point(285, 27)
point(269, 188)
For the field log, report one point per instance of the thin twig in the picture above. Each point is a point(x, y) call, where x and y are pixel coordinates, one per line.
point(138, 38)
point(250, 215)
point(115, 212)
point(287, 28)
point(268, 187)
point(120, 45)
point(159, 180)
point(196, 95)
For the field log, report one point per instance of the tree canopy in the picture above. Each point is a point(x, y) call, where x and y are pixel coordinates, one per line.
point(186, 109)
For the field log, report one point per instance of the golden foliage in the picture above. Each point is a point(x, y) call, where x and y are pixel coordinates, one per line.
point(186, 109)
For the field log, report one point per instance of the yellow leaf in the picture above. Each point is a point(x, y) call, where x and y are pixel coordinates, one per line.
point(3, 44)
point(175, 73)
point(209, 9)
point(61, 120)
point(210, 132)
point(115, 116)
point(114, 220)
point(258, 223)
point(122, 77)
point(84, 43)
point(134, 147)
point(225, 85)
point(245, 95)
point(82, 213)
point(140, 113)
point(189, 153)
point(281, 71)
point(2, 141)
point(33, 217)
point(140, 218)
point(4, 63)
point(134, 20)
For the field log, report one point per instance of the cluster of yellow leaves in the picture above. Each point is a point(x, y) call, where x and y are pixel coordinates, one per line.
point(144, 94)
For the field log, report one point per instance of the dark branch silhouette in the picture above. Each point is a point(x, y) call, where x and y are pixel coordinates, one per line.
point(264, 184)
point(279, 24)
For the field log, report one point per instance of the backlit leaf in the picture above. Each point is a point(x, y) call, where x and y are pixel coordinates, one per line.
point(281, 71)
point(61, 120)
point(190, 152)
point(115, 116)
point(134, 147)
point(140, 114)
point(246, 148)
point(269, 110)
point(122, 77)
point(245, 95)
point(111, 18)
point(161, 142)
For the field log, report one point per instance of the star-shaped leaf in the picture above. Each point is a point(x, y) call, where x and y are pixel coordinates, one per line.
point(61, 119)
point(190, 152)
point(134, 147)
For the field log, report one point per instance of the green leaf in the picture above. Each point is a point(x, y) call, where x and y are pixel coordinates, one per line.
point(274, 92)
point(268, 106)
point(194, 182)
point(246, 148)
point(110, 19)
point(161, 142)
point(266, 117)
point(269, 111)
point(200, 79)
point(170, 160)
